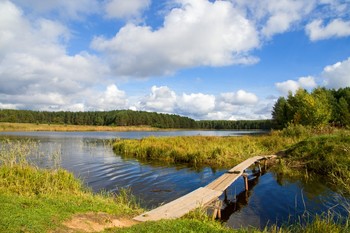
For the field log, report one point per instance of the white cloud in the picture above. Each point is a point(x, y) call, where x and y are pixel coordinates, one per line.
point(126, 9)
point(241, 97)
point(307, 82)
point(64, 8)
point(35, 69)
point(336, 28)
point(196, 104)
point(274, 17)
point(287, 86)
point(198, 33)
point(337, 75)
point(161, 99)
point(112, 98)
point(225, 106)
point(290, 85)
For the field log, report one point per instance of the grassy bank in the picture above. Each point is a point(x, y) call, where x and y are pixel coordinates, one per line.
point(324, 155)
point(54, 127)
point(35, 200)
point(199, 150)
point(39, 200)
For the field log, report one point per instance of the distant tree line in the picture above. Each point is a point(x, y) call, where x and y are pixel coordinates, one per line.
point(109, 118)
point(320, 107)
point(125, 118)
point(239, 124)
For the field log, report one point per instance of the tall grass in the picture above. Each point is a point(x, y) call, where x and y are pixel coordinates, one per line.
point(17, 152)
point(39, 200)
point(326, 155)
point(200, 150)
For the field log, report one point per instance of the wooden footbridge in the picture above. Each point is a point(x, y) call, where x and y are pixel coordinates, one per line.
point(202, 196)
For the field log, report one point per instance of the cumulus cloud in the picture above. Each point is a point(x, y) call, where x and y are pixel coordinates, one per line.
point(112, 98)
point(240, 97)
point(336, 28)
point(274, 17)
point(161, 99)
point(307, 82)
point(197, 33)
point(64, 8)
point(337, 75)
point(282, 14)
point(226, 106)
point(292, 86)
point(35, 69)
point(196, 104)
point(287, 86)
point(126, 9)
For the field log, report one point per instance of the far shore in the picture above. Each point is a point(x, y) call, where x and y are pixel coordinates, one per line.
point(4, 126)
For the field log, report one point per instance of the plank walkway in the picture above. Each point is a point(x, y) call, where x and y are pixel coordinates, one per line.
point(200, 197)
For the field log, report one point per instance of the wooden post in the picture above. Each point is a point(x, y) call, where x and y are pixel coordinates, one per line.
point(217, 209)
point(245, 177)
point(258, 162)
point(265, 164)
point(225, 192)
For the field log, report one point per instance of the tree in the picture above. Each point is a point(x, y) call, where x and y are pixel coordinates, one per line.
point(344, 113)
point(280, 113)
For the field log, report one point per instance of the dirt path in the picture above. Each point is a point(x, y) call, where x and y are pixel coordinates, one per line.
point(93, 222)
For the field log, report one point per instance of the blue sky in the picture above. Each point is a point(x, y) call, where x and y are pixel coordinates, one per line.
point(228, 59)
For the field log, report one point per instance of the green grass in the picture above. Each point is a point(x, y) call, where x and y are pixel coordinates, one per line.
point(35, 200)
point(180, 225)
point(200, 150)
point(325, 155)
point(39, 200)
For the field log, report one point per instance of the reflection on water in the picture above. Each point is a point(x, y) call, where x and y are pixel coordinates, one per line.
point(270, 199)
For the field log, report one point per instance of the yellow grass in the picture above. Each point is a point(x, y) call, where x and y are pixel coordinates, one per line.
point(52, 127)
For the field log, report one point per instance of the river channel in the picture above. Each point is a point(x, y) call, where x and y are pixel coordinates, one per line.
point(271, 199)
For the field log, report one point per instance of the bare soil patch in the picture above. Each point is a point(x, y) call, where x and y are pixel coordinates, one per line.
point(93, 222)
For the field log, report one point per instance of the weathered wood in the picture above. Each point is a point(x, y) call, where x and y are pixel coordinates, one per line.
point(245, 177)
point(200, 197)
point(181, 206)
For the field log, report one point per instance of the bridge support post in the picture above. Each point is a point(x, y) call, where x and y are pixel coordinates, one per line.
point(258, 163)
point(217, 209)
point(245, 177)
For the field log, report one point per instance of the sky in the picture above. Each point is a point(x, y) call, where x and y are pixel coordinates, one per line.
point(214, 60)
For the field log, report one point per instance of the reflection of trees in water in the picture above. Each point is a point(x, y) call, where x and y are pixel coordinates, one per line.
point(241, 200)
point(312, 184)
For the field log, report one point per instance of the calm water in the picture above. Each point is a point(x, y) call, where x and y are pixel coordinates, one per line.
point(271, 199)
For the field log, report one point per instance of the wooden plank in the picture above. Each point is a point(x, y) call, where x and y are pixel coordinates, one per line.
point(201, 196)
point(181, 206)
point(224, 181)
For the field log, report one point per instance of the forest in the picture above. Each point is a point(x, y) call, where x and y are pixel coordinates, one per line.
point(108, 118)
point(124, 118)
point(319, 108)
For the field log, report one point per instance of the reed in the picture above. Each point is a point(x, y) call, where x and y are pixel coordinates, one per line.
point(200, 150)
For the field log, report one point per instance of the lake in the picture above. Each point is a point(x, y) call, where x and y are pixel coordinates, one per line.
point(271, 198)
